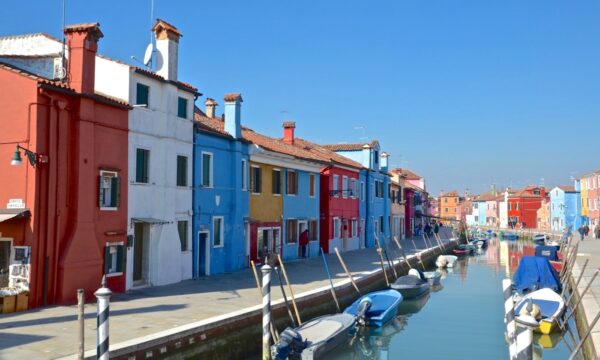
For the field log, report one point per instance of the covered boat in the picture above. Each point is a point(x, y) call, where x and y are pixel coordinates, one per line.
point(550, 304)
point(535, 272)
point(314, 339)
point(551, 253)
point(412, 285)
point(376, 308)
point(433, 277)
point(444, 261)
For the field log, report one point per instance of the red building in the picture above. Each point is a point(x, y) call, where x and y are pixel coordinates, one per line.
point(523, 206)
point(340, 223)
point(69, 205)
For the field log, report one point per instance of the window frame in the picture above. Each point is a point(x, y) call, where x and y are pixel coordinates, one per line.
point(137, 88)
point(244, 175)
point(185, 241)
point(312, 185)
point(354, 225)
point(221, 231)
point(185, 177)
point(254, 184)
point(337, 227)
point(280, 183)
point(294, 179)
point(146, 163)
point(185, 108)
point(293, 232)
point(119, 261)
point(335, 185)
point(344, 187)
point(118, 191)
point(362, 191)
point(316, 232)
point(210, 171)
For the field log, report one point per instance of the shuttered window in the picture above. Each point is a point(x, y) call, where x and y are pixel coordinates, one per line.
point(141, 165)
point(182, 229)
point(276, 182)
point(292, 183)
point(109, 192)
point(255, 180)
point(142, 94)
point(207, 169)
point(114, 259)
point(182, 107)
point(181, 170)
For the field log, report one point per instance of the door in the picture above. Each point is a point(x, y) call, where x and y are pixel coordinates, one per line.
point(203, 250)
point(302, 226)
point(5, 247)
point(139, 243)
point(268, 242)
point(345, 234)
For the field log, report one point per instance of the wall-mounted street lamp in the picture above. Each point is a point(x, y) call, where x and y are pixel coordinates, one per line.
point(34, 158)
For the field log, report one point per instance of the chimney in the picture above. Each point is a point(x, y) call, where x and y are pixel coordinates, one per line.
point(233, 121)
point(82, 41)
point(288, 132)
point(167, 48)
point(210, 104)
point(366, 150)
point(383, 162)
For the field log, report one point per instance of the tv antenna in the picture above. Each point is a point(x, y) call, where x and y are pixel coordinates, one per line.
point(147, 61)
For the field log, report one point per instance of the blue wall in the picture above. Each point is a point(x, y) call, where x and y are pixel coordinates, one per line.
point(300, 207)
point(226, 198)
point(482, 213)
point(565, 210)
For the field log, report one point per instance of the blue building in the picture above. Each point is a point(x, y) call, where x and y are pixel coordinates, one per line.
point(220, 196)
point(565, 208)
point(374, 189)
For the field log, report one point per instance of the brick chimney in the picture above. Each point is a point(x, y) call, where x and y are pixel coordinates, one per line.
point(233, 114)
point(288, 132)
point(211, 105)
point(82, 42)
point(167, 49)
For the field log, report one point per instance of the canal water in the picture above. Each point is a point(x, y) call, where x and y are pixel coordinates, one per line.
point(462, 319)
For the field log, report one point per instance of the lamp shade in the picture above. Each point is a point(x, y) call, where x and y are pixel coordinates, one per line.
point(17, 160)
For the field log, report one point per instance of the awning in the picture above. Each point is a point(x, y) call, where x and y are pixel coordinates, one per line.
point(7, 214)
point(151, 221)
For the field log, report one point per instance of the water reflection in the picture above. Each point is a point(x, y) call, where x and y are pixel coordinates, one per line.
point(468, 305)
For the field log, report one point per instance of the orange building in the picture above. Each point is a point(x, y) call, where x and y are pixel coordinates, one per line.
point(448, 206)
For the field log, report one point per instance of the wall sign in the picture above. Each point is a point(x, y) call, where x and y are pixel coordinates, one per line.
point(15, 204)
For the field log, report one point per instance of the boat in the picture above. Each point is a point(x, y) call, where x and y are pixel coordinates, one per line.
point(539, 239)
point(464, 249)
point(412, 285)
point(313, 339)
point(480, 243)
point(445, 261)
point(510, 236)
point(534, 273)
point(551, 306)
point(551, 253)
point(375, 308)
point(433, 277)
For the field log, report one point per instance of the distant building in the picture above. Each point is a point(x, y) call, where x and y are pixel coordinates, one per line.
point(448, 204)
point(543, 215)
point(523, 206)
point(589, 186)
point(564, 208)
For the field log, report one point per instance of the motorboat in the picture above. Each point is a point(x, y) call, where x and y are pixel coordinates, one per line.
point(412, 285)
point(550, 304)
point(433, 277)
point(313, 339)
point(445, 261)
point(534, 273)
point(375, 308)
point(464, 249)
point(539, 239)
point(510, 236)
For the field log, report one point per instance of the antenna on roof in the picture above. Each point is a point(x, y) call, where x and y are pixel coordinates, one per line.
point(61, 74)
point(148, 54)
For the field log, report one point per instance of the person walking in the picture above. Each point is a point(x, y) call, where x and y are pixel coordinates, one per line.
point(597, 231)
point(304, 243)
point(436, 228)
point(586, 230)
point(581, 231)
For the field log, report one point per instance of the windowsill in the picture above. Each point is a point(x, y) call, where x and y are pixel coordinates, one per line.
point(276, 194)
point(186, 252)
point(206, 186)
point(218, 246)
point(140, 183)
point(114, 274)
point(255, 193)
point(109, 209)
point(291, 194)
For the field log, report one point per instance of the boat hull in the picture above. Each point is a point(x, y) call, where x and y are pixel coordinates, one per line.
point(384, 306)
point(411, 292)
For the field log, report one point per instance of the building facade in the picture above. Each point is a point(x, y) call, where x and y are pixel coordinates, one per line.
point(590, 198)
point(564, 208)
point(448, 203)
point(543, 215)
point(523, 206)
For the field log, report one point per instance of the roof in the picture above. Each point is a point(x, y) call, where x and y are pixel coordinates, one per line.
point(326, 154)
point(567, 188)
point(161, 24)
point(350, 147)
point(488, 196)
point(593, 173)
point(452, 193)
point(407, 174)
point(83, 27)
point(231, 97)
point(22, 36)
point(524, 193)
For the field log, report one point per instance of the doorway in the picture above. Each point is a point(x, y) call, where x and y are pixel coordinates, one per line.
point(302, 226)
point(141, 252)
point(5, 259)
point(268, 242)
point(345, 234)
point(203, 254)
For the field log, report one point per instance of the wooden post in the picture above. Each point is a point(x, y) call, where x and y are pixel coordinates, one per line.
point(346, 270)
point(80, 323)
point(402, 251)
point(578, 347)
point(290, 289)
point(331, 288)
point(582, 295)
point(576, 283)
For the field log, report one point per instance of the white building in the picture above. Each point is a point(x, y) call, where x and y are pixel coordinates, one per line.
point(503, 210)
point(160, 161)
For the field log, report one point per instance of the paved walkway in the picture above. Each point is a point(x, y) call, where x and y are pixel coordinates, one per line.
point(589, 249)
point(51, 333)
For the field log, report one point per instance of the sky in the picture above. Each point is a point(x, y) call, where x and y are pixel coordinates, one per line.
point(465, 93)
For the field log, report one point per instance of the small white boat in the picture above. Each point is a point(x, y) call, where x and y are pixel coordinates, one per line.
point(433, 277)
point(550, 304)
point(444, 261)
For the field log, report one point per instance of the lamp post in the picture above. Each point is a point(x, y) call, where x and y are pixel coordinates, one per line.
point(34, 158)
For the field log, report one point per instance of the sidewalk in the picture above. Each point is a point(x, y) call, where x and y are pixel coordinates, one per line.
point(51, 333)
point(589, 249)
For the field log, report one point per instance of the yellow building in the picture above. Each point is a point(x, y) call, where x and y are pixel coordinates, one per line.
point(585, 210)
point(448, 204)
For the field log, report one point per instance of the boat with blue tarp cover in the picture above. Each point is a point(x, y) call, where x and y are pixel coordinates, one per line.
point(376, 308)
point(534, 273)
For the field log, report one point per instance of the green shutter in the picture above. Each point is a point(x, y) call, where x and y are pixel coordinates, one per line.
point(182, 108)
point(106, 259)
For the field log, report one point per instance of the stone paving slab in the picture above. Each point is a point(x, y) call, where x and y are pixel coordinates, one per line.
point(51, 333)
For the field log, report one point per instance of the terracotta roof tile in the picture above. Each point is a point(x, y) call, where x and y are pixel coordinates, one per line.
point(83, 26)
point(350, 147)
point(326, 154)
point(33, 76)
point(233, 97)
point(407, 174)
point(289, 124)
point(166, 26)
point(449, 194)
point(567, 188)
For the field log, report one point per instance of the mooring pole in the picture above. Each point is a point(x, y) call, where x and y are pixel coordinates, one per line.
point(102, 334)
point(287, 280)
point(578, 347)
point(402, 251)
point(509, 317)
point(273, 332)
point(576, 283)
point(80, 324)
point(266, 323)
point(582, 295)
point(525, 334)
point(331, 288)
point(346, 269)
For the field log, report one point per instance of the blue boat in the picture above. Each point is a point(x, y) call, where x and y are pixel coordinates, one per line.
point(510, 236)
point(376, 308)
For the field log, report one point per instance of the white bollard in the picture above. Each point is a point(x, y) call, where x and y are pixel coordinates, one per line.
point(102, 339)
point(509, 317)
point(525, 336)
point(266, 291)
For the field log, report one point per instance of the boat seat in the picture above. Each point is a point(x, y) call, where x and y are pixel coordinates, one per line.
point(547, 307)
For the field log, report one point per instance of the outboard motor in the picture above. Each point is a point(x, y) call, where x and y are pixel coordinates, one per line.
point(290, 345)
point(363, 307)
point(417, 273)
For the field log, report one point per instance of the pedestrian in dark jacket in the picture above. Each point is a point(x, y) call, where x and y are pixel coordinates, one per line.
point(304, 243)
point(581, 231)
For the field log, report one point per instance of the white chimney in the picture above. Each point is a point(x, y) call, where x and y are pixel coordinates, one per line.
point(210, 104)
point(167, 49)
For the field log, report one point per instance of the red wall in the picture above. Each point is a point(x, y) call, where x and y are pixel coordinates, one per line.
point(527, 212)
point(331, 206)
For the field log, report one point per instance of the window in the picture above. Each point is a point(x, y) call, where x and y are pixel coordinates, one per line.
point(276, 181)
point(337, 231)
point(311, 185)
point(141, 165)
point(536, 191)
point(446, 209)
point(291, 231)
point(445, 200)
point(378, 189)
point(181, 170)
point(381, 224)
point(376, 157)
point(354, 228)
point(517, 206)
point(182, 229)
point(344, 187)
point(313, 230)
point(244, 174)
point(291, 182)
point(255, 180)
point(110, 190)
point(114, 259)
point(218, 231)
point(142, 94)
point(362, 190)
point(182, 107)
point(207, 169)
point(335, 185)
